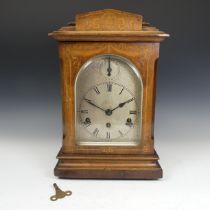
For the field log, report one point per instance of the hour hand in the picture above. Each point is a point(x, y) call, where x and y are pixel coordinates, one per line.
point(91, 103)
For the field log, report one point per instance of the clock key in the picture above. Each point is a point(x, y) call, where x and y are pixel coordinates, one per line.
point(59, 193)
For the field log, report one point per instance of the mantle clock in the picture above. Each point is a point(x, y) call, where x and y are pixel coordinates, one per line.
point(108, 62)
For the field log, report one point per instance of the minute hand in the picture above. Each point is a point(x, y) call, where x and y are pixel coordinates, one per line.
point(122, 104)
point(90, 102)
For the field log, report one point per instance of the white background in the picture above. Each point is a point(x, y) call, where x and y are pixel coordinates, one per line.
point(28, 150)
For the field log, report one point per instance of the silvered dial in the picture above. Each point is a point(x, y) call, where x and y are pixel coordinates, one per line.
point(108, 111)
point(108, 92)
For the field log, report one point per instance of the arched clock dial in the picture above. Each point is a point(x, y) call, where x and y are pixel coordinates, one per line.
point(108, 111)
point(108, 102)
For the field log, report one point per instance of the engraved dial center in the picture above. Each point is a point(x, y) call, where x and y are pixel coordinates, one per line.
point(104, 111)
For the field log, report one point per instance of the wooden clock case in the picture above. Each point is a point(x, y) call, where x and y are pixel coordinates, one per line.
point(108, 32)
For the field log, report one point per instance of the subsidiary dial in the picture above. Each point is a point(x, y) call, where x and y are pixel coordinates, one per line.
point(109, 67)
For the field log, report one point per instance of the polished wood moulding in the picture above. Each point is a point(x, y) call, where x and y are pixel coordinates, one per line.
point(108, 166)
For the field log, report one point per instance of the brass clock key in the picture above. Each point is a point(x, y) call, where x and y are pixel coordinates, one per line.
point(59, 193)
